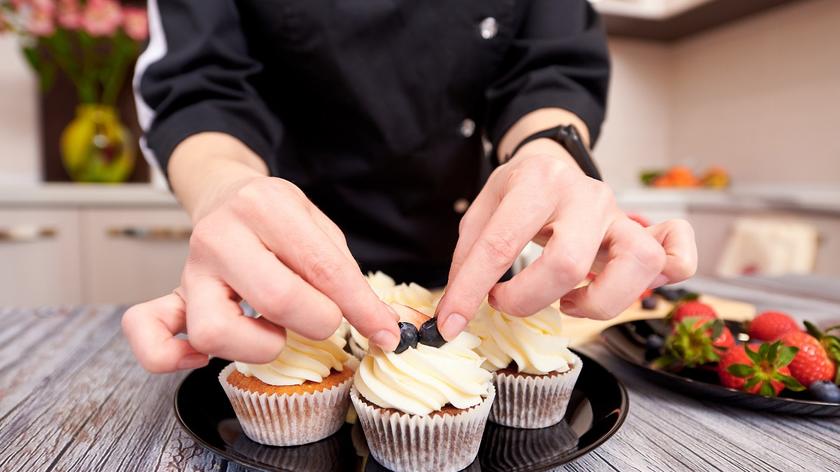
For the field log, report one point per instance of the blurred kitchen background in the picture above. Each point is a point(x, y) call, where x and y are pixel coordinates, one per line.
point(724, 112)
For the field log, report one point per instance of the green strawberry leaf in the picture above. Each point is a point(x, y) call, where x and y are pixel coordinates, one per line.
point(751, 382)
point(762, 351)
point(754, 356)
point(790, 382)
point(766, 390)
point(717, 329)
point(786, 355)
point(689, 297)
point(741, 370)
point(772, 352)
point(832, 347)
point(813, 330)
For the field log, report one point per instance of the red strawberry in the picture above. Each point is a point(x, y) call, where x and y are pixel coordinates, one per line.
point(769, 325)
point(812, 362)
point(645, 294)
point(694, 342)
point(763, 371)
point(692, 308)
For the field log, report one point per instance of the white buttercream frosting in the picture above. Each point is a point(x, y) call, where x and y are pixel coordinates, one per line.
point(424, 379)
point(302, 359)
point(534, 342)
point(410, 295)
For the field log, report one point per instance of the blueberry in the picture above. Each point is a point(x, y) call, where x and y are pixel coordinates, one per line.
point(653, 346)
point(649, 303)
point(825, 391)
point(429, 334)
point(408, 337)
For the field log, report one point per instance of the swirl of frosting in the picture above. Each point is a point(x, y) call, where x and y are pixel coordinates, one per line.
point(302, 359)
point(535, 342)
point(422, 380)
point(411, 295)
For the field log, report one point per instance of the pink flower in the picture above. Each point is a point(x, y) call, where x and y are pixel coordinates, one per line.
point(40, 21)
point(69, 14)
point(102, 17)
point(135, 23)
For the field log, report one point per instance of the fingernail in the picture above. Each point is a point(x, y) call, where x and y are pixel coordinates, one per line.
point(491, 300)
point(385, 339)
point(192, 361)
point(659, 281)
point(453, 326)
point(568, 307)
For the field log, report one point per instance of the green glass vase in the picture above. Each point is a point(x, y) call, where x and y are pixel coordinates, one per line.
point(96, 146)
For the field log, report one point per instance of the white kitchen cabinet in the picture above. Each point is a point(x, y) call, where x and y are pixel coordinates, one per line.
point(132, 255)
point(40, 261)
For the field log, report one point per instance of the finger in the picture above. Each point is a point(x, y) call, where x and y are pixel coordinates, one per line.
point(472, 223)
point(276, 292)
point(520, 215)
point(216, 325)
point(151, 327)
point(677, 238)
point(309, 252)
point(635, 259)
point(332, 231)
point(566, 260)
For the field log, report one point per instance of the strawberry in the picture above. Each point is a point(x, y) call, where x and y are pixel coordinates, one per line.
point(769, 325)
point(691, 308)
point(693, 342)
point(764, 371)
point(645, 294)
point(812, 363)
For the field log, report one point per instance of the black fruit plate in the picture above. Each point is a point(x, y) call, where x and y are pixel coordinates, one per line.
point(627, 341)
point(596, 411)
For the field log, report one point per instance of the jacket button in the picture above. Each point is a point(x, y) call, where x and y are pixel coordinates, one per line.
point(467, 128)
point(488, 28)
point(460, 206)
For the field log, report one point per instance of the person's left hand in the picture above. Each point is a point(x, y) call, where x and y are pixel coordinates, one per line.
point(541, 195)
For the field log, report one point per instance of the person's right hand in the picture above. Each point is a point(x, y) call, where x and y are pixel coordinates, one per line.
point(267, 243)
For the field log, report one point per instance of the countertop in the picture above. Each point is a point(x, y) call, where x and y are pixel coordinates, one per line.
point(73, 398)
point(819, 199)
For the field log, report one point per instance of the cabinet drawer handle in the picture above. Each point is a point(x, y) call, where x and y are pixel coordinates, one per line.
point(154, 233)
point(27, 233)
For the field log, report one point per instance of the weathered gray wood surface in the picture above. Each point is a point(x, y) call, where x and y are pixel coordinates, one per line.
point(73, 399)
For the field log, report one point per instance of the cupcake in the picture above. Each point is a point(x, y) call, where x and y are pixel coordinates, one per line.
point(299, 398)
point(425, 408)
point(534, 371)
point(410, 295)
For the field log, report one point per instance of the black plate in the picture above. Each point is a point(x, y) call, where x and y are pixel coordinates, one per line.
point(627, 341)
point(597, 409)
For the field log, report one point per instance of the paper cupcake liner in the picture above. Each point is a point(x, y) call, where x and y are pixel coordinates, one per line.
point(357, 351)
point(288, 420)
point(528, 401)
point(440, 443)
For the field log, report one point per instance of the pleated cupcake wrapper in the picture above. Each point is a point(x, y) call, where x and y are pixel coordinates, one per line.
point(355, 349)
point(288, 420)
point(441, 443)
point(528, 401)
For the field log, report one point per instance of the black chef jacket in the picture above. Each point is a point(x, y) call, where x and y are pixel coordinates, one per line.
point(374, 108)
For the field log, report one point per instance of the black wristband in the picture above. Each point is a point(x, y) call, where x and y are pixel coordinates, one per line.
point(568, 137)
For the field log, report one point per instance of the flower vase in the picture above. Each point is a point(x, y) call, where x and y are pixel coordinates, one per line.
point(96, 146)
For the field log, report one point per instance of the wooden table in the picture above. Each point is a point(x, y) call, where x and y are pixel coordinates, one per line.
point(72, 398)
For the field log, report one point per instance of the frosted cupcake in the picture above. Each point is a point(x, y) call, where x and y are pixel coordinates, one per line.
point(534, 371)
point(299, 398)
point(425, 408)
point(410, 295)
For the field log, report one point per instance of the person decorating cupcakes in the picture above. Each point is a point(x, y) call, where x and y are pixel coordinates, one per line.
point(312, 141)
